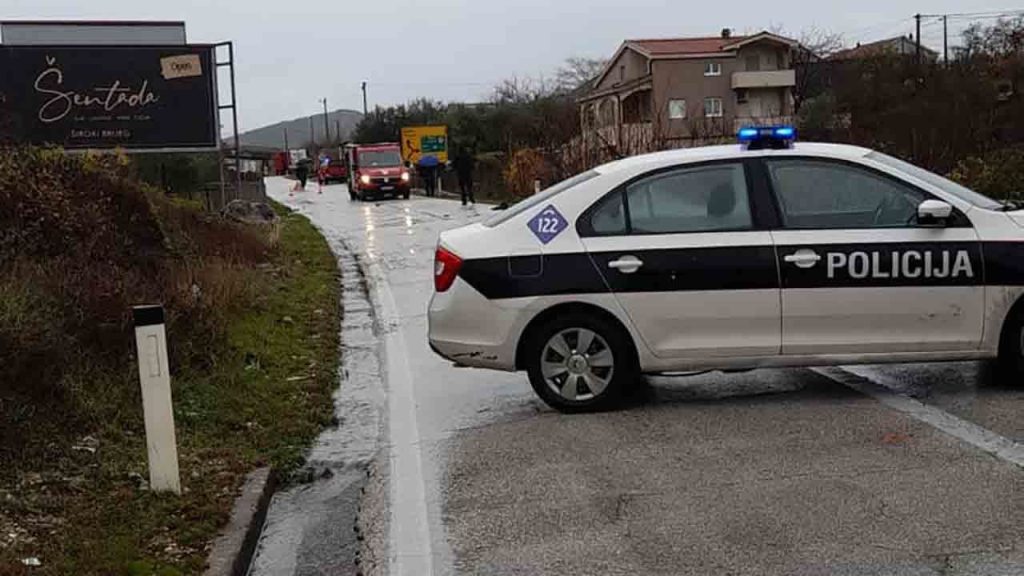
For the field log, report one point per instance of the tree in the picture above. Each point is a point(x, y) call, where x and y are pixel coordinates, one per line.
point(385, 124)
point(811, 65)
point(577, 73)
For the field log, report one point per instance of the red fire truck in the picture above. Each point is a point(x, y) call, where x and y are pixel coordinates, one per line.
point(376, 170)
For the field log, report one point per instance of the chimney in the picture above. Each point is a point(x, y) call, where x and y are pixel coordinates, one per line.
point(726, 33)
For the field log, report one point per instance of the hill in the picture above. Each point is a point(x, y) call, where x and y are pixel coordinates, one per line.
point(272, 136)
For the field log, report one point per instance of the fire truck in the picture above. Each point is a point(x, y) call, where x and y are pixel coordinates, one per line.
point(376, 170)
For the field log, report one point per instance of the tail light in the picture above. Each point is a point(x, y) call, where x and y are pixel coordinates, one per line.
point(446, 268)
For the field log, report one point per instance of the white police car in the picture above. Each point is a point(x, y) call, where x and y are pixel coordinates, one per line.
point(768, 253)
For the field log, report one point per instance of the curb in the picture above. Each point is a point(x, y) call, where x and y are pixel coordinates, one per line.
point(234, 548)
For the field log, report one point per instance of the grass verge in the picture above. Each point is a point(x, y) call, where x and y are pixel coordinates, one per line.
point(261, 396)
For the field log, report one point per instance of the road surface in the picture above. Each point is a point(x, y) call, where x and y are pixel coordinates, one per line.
point(914, 469)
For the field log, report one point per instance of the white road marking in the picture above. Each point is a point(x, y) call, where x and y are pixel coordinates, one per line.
point(410, 552)
point(981, 438)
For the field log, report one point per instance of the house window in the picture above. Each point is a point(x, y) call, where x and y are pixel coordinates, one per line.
point(741, 95)
point(712, 69)
point(677, 109)
point(622, 73)
point(712, 107)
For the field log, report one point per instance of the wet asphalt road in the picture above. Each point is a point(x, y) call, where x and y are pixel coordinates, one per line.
point(913, 470)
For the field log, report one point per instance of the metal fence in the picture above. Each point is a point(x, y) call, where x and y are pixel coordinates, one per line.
point(216, 197)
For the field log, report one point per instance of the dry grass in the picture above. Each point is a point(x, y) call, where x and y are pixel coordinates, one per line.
point(78, 247)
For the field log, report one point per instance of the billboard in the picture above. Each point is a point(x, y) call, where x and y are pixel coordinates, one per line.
point(77, 33)
point(418, 141)
point(131, 97)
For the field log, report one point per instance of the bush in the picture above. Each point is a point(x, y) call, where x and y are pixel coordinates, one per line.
point(525, 167)
point(999, 174)
point(82, 240)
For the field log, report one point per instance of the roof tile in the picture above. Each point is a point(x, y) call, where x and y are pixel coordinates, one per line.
point(681, 46)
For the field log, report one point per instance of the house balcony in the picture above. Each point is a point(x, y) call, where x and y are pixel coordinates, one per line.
point(764, 79)
point(747, 121)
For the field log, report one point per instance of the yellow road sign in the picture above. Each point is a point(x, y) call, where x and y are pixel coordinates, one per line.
point(419, 141)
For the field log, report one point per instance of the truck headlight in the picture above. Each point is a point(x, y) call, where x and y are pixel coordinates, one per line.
point(405, 176)
point(365, 178)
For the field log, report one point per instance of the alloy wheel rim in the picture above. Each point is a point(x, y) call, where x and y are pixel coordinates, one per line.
point(577, 364)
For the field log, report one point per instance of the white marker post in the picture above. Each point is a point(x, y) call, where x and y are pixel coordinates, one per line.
point(151, 343)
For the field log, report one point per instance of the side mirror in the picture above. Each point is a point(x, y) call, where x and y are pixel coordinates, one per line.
point(934, 212)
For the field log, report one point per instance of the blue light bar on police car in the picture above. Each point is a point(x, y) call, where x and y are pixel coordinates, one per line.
point(756, 137)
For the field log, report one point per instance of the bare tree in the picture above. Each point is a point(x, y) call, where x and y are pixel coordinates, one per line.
point(577, 73)
point(810, 60)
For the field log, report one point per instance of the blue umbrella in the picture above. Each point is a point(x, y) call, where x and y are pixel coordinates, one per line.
point(430, 161)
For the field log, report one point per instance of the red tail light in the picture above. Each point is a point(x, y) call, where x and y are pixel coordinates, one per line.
point(446, 268)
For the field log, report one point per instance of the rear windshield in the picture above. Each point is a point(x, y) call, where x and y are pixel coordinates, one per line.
point(945, 184)
point(374, 158)
point(526, 204)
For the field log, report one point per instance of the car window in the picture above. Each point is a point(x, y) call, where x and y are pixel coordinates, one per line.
point(821, 194)
point(379, 158)
point(608, 217)
point(699, 199)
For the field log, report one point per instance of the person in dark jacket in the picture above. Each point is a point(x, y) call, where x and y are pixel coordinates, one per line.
point(464, 165)
point(302, 173)
point(428, 172)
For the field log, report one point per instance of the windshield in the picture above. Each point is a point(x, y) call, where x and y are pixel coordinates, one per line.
point(378, 158)
point(947, 185)
point(526, 204)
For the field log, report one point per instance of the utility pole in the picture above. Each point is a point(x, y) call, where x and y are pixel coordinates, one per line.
point(945, 39)
point(327, 126)
point(286, 148)
point(312, 135)
point(917, 39)
point(364, 98)
point(337, 130)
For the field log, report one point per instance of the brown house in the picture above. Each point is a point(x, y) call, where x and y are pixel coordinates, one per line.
point(676, 89)
point(898, 46)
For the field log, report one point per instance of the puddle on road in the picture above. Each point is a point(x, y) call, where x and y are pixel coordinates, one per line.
point(309, 527)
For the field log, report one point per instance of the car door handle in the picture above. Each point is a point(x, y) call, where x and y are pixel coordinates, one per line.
point(626, 264)
point(803, 258)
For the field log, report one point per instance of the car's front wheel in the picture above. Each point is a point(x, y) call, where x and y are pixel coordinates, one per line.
point(1010, 366)
point(580, 363)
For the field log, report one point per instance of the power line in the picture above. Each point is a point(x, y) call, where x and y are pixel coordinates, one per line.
point(876, 29)
point(989, 14)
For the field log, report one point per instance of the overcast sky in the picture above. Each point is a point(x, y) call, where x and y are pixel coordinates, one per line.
point(291, 53)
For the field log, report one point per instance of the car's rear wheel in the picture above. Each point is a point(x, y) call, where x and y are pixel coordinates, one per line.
point(1010, 365)
point(580, 363)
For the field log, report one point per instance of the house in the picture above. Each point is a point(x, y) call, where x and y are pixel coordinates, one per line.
point(898, 46)
point(679, 89)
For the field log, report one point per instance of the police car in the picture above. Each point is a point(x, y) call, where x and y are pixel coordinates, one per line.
point(769, 253)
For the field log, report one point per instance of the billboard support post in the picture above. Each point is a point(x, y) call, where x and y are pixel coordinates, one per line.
point(230, 65)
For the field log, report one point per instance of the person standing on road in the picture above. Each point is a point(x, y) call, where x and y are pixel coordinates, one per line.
point(464, 165)
point(302, 173)
point(428, 171)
